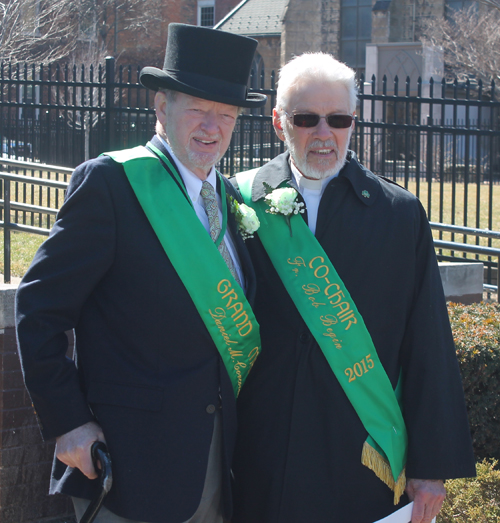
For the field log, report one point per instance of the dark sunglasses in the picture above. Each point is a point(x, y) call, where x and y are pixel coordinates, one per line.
point(337, 121)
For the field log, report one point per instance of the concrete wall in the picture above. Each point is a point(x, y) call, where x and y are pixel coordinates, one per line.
point(269, 49)
point(407, 16)
point(330, 27)
point(462, 282)
point(381, 26)
point(301, 21)
point(25, 460)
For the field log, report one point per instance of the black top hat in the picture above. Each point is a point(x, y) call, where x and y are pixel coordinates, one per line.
point(206, 63)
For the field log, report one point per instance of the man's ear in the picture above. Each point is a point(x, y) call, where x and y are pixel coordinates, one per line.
point(161, 107)
point(277, 125)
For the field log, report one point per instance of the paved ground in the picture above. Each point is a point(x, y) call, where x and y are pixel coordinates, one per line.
point(12, 280)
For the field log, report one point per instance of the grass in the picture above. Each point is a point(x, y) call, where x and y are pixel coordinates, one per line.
point(24, 245)
point(472, 203)
point(478, 210)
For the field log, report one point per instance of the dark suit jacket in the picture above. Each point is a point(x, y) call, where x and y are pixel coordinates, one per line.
point(146, 367)
point(298, 453)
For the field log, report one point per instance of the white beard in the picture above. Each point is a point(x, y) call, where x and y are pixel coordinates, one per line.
point(313, 172)
point(197, 159)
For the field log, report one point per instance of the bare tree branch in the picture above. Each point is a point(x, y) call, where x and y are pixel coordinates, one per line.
point(495, 4)
point(69, 30)
point(470, 42)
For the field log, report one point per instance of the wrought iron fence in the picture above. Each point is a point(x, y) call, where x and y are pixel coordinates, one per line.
point(36, 218)
point(449, 134)
point(32, 194)
point(440, 140)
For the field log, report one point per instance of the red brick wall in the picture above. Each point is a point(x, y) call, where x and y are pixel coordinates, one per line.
point(143, 48)
point(25, 460)
point(223, 7)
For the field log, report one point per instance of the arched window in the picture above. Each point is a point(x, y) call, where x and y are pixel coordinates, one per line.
point(356, 31)
point(257, 70)
point(255, 81)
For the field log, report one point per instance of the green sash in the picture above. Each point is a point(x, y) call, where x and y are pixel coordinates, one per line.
point(219, 300)
point(333, 319)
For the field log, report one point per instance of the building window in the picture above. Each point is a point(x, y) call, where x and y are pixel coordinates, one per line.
point(29, 14)
point(256, 72)
point(356, 31)
point(256, 79)
point(87, 20)
point(206, 13)
point(457, 5)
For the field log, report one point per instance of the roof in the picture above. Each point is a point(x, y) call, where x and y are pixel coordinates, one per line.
point(254, 17)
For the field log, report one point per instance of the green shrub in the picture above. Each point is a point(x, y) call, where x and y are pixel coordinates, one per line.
point(473, 500)
point(476, 331)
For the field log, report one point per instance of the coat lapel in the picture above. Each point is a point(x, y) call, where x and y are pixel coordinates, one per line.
point(273, 173)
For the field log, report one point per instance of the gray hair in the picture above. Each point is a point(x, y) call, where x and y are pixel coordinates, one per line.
point(318, 66)
point(170, 94)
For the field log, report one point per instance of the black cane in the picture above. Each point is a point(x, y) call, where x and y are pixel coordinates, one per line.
point(99, 453)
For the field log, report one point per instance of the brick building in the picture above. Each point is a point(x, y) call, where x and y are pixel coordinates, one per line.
point(139, 47)
point(134, 48)
point(373, 36)
point(85, 31)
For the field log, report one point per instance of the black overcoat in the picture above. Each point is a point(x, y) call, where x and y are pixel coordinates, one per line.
point(298, 452)
point(146, 367)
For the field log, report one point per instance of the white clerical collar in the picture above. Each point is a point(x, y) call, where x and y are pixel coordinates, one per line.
point(191, 181)
point(306, 183)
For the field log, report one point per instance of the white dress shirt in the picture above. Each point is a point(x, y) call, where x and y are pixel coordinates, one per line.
point(311, 191)
point(193, 186)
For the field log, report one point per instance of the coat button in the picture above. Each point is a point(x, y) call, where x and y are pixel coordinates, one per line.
point(210, 409)
point(304, 337)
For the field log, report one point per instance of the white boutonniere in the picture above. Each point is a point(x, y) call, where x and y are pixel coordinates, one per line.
point(283, 201)
point(245, 217)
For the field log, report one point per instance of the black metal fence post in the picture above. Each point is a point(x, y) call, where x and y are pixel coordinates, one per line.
point(6, 231)
point(428, 166)
point(110, 104)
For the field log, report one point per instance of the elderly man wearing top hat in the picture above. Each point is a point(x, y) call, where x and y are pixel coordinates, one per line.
point(147, 264)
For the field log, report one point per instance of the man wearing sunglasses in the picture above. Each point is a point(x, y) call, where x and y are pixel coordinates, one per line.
point(355, 406)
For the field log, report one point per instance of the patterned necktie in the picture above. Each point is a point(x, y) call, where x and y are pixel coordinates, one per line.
point(212, 210)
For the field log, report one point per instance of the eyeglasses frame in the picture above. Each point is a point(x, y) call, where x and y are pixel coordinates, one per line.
point(291, 116)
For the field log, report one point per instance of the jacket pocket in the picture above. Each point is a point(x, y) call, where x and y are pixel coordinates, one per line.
point(132, 396)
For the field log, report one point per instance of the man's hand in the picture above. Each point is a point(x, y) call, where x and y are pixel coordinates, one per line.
point(427, 496)
point(73, 448)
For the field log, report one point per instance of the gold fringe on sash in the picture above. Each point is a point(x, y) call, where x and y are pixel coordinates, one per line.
point(375, 462)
